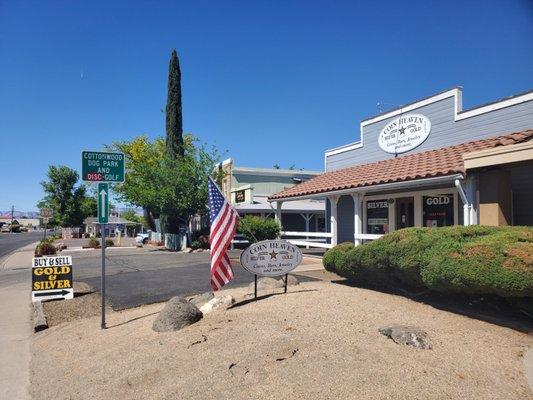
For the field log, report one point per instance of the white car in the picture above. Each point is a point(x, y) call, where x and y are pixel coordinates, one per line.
point(142, 238)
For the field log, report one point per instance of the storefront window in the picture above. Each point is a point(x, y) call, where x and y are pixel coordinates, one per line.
point(377, 216)
point(438, 210)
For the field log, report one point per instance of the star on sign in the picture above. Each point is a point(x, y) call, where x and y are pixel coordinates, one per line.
point(401, 130)
point(273, 255)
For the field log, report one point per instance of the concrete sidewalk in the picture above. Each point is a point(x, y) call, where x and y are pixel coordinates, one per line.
point(19, 259)
point(15, 327)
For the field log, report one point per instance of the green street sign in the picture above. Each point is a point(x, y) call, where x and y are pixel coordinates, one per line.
point(103, 203)
point(100, 166)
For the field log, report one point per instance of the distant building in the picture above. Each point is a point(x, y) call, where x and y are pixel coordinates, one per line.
point(115, 225)
point(248, 190)
point(30, 223)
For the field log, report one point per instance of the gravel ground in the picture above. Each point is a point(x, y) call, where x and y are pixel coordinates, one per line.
point(320, 341)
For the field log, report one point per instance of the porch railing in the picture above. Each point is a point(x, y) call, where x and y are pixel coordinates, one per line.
point(310, 239)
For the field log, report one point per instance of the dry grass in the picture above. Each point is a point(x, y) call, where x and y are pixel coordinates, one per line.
point(320, 341)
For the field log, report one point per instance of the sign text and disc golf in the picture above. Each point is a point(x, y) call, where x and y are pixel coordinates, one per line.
point(100, 166)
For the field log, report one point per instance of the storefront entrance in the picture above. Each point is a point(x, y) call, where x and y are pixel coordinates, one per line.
point(405, 212)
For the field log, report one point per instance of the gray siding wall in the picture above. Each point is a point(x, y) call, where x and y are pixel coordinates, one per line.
point(345, 219)
point(264, 184)
point(445, 131)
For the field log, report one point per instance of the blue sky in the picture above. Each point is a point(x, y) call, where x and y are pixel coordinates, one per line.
point(267, 81)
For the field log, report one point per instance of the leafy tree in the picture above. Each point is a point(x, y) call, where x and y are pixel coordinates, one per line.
point(69, 203)
point(130, 215)
point(161, 184)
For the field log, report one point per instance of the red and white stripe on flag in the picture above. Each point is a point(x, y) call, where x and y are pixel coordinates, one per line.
point(224, 219)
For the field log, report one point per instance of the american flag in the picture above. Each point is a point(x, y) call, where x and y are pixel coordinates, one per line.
point(223, 227)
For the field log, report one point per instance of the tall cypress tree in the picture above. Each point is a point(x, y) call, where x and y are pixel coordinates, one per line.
point(174, 127)
point(174, 134)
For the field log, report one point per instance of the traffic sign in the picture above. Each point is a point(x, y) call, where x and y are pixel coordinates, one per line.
point(46, 213)
point(52, 278)
point(100, 166)
point(103, 203)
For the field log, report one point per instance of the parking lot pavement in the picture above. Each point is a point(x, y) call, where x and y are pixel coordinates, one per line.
point(142, 276)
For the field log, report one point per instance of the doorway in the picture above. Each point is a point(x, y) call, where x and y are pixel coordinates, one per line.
point(405, 212)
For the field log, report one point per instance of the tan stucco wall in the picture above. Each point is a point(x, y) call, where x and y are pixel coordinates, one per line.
point(495, 198)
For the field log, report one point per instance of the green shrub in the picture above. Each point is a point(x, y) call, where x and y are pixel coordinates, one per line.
point(94, 242)
point(256, 229)
point(334, 258)
point(109, 243)
point(469, 260)
point(45, 248)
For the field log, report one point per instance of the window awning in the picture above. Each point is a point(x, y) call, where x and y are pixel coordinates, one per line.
point(427, 165)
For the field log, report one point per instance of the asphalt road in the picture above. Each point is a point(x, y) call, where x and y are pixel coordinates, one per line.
point(139, 276)
point(10, 242)
point(142, 276)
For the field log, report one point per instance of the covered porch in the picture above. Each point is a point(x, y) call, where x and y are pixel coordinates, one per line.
point(426, 189)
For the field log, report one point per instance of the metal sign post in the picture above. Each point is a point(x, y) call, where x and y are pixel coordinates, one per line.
point(103, 219)
point(102, 167)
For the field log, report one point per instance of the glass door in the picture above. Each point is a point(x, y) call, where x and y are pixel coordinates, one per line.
point(405, 212)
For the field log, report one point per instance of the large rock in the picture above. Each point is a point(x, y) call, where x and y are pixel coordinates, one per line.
point(176, 314)
point(200, 299)
point(217, 302)
point(407, 335)
point(291, 281)
point(266, 283)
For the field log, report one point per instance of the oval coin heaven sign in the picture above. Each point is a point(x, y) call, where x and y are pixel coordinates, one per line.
point(271, 258)
point(404, 133)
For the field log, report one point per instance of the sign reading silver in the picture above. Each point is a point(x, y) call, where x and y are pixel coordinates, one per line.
point(404, 133)
point(271, 258)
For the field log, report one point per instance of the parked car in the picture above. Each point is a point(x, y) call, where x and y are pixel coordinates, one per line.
point(142, 238)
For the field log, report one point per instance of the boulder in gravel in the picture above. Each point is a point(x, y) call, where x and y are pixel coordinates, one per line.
point(407, 335)
point(265, 283)
point(217, 302)
point(177, 314)
point(292, 280)
point(200, 299)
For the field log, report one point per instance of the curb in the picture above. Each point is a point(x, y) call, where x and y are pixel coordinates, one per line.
point(39, 318)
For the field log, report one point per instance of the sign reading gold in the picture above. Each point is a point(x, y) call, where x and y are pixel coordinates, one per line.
point(52, 278)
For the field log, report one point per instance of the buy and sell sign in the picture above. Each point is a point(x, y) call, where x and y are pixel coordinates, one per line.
point(100, 166)
point(51, 278)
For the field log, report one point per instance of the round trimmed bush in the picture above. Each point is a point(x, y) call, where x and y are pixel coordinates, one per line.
point(469, 260)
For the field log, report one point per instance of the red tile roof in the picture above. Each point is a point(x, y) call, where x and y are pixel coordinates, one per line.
point(428, 164)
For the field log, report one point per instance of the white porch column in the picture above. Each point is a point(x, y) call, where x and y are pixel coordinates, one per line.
point(307, 218)
point(357, 217)
point(277, 217)
point(333, 218)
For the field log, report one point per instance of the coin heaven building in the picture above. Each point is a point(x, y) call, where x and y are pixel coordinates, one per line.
point(429, 163)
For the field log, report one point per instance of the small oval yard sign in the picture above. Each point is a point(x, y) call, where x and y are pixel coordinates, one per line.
point(271, 258)
point(404, 133)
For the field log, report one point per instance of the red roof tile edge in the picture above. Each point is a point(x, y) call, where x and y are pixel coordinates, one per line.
point(428, 164)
